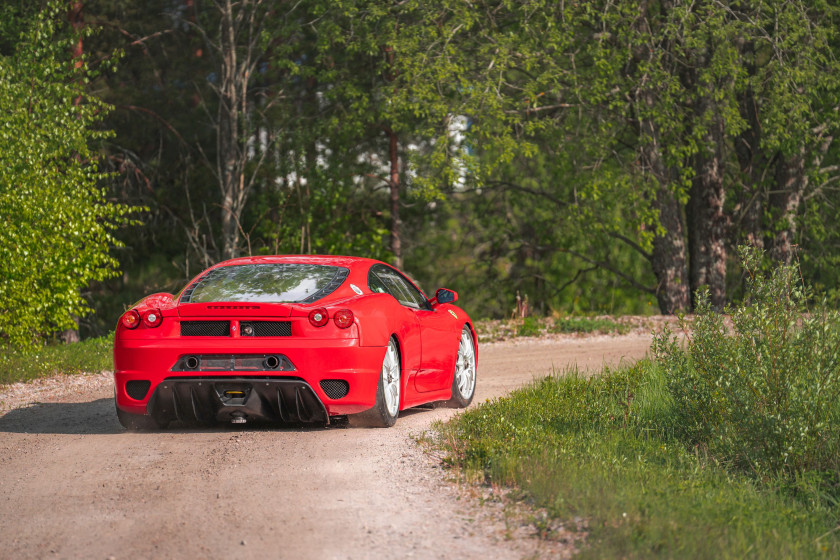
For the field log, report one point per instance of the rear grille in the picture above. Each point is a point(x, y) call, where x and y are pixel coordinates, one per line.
point(335, 388)
point(205, 328)
point(137, 389)
point(267, 328)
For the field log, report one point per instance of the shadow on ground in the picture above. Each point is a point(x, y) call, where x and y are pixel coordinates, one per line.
point(98, 417)
point(93, 417)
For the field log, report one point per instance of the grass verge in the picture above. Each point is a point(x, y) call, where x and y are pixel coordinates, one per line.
point(588, 325)
point(91, 355)
point(534, 326)
point(603, 449)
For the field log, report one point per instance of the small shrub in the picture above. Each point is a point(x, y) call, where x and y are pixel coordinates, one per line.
point(588, 325)
point(763, 396)
point(530, 327)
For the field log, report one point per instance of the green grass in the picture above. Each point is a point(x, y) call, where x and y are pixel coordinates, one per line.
point(535, 326)
point(91, 355)
point(588, 325)
point(603, 449)
point(530, 326)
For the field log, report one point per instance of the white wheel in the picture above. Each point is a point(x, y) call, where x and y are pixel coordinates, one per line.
point(391, 380)
point(463, 381)
point(384, 413)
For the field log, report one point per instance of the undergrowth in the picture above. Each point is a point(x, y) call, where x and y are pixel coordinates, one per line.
point(762, 396)
point(588, 325)
point(91, 355)
point(536, 326)
point(724, 445)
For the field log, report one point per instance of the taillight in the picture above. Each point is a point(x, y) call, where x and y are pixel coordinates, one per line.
point(318, 317)
point(152, 318)
point(343, 318)
point(130, 319)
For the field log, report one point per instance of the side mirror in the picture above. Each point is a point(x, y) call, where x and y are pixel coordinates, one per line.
point(444, 296)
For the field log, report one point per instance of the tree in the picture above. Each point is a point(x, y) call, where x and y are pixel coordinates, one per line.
point(57, 224)
point(654, 99)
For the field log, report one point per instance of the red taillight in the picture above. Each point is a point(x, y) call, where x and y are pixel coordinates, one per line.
point(130, 319)
point(343, 318)
point(152, 318)
point(318, 317)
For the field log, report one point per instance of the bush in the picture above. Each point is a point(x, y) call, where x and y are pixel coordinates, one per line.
point(761, 395)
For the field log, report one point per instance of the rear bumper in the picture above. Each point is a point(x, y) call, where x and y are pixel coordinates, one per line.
point(313, 361)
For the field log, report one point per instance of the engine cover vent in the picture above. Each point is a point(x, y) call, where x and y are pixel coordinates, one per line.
point(205, 328)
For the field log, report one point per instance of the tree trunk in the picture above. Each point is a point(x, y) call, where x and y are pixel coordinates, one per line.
point(228, 142)
point(668, 258)
point(753, 164)
point(791, 181)
point(238, 50)
point(394, 187)
point(707, 223)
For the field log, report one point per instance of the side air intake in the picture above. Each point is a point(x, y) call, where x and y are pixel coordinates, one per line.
point(335, 388)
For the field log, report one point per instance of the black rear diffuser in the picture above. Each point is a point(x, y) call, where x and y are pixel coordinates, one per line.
point(208, 400)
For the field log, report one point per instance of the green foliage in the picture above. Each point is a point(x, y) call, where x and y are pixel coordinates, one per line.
point(725, 445)
point(599, 454)
point(763, 395)
point(92, 355)
point(498, 242)
point(57, 223)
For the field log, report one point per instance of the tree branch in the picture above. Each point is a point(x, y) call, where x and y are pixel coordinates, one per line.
point(631, 243)
point(607, 266)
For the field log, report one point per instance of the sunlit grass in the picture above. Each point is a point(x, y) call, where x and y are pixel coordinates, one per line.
point(601, 449)
point(531, 326)
point(588, 325)
point(91, 355)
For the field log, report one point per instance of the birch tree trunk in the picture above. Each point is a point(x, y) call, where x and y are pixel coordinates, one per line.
point(238, 50)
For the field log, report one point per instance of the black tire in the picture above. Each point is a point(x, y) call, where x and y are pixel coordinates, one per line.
point(136, 422)
point(384, 413)
point(465, 374)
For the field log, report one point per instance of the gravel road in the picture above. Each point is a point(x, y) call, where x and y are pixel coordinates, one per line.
point(74, 484)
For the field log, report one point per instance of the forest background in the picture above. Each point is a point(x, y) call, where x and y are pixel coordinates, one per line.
point(592, 157)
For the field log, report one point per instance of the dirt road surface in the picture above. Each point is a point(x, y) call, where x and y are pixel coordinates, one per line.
point(74, 484)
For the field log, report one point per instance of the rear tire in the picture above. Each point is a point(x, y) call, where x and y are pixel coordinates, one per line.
point(136, 422)
point(463, 379)
point(387, 408)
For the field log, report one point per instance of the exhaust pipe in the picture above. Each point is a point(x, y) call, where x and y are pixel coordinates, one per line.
point(271, 362)
point(191, 362)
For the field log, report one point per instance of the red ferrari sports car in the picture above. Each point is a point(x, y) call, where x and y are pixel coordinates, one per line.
point(291, 339)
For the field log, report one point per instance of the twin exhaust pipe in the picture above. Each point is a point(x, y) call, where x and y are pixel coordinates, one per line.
point(233, 363)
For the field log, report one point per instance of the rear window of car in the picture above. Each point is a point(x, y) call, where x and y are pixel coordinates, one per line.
point(266, 283)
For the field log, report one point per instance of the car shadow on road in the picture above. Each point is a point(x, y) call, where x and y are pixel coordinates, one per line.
point(92, 417)
point(98, 417)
